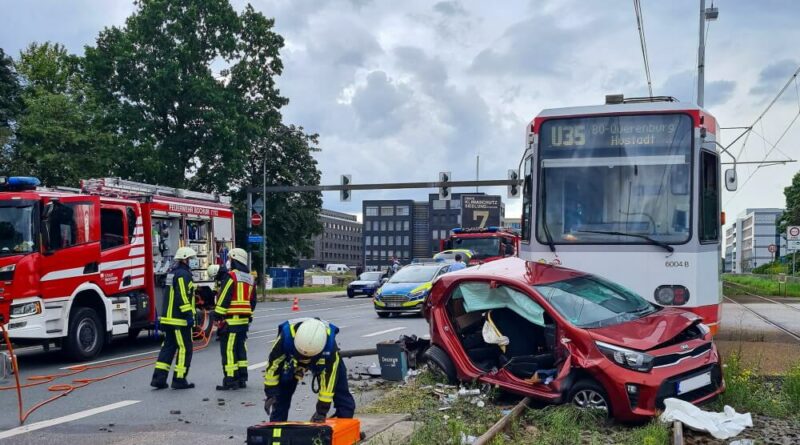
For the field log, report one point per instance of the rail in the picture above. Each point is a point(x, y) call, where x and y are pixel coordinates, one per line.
point(764, 318)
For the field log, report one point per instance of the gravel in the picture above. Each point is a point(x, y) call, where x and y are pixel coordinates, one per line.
point(765, 431)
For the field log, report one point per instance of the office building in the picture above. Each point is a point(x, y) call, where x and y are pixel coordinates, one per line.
point(444, 215)
point(388, 232)
point(748, 238)
point(339, 243)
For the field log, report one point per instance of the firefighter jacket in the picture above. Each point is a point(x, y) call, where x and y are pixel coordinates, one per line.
point(178, 307)
point(286, 362)
point(236, 301)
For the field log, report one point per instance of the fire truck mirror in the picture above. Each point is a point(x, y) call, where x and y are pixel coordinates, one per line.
point(47, 212)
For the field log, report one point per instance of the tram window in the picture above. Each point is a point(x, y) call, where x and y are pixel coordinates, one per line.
point(527, 199)
point(709, 197)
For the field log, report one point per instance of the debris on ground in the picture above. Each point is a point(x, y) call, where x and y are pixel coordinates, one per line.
point(175, 411)
point(722, 425)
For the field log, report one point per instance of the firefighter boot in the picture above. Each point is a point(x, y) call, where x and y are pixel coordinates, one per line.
point(159, 380)
point(181, 384)
point(228, 384)
point(242, 377)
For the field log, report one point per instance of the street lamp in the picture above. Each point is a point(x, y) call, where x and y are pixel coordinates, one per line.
point(706, 15)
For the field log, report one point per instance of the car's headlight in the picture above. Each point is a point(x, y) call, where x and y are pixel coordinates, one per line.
point(418, 294)
point(704, 329)
point(9, 268)
point(25, 309)
point(635, 360)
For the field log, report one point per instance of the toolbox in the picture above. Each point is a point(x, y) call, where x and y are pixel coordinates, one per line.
point(333, 432)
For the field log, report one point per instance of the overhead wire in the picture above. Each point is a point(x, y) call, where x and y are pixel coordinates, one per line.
point(637, 6)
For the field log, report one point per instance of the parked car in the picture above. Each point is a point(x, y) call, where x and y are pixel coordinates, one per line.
point(563, 336)
point(366, 284)
point(407, 288)
point(337, 268)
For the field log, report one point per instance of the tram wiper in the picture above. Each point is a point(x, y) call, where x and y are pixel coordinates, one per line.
point(664, 246)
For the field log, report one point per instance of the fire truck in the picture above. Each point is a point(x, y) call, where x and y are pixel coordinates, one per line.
point(79, 266)
point(486, 244)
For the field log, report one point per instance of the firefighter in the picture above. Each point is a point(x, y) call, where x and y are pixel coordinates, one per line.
point(176, 321)
point(303, 345)
point(235, 306)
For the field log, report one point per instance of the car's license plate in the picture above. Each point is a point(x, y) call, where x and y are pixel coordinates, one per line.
point(393, 304)
point(693, 383)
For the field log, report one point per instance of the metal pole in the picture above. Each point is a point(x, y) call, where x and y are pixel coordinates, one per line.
point(249, 228)
point(793, 260)
point(477, 171)
point(263, 273)
point(701, 56)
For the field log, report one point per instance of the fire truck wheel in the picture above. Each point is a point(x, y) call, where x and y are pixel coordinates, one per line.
point(86, 334)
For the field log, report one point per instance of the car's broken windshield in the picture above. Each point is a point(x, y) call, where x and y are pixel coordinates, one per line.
point(591, 302)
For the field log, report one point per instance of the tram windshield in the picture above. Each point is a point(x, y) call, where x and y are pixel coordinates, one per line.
point(615, 180)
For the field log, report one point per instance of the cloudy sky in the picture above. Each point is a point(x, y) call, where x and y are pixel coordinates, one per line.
point(399, 91)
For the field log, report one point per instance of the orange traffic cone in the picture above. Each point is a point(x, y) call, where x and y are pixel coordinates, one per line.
point(295, 305)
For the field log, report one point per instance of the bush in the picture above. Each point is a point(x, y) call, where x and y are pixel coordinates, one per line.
point(791, 388)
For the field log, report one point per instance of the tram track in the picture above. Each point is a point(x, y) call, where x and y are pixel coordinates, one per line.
point(762, 317)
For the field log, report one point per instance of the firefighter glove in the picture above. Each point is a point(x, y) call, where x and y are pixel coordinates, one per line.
point(318, 418)
point(268, 403)
point(322, 411)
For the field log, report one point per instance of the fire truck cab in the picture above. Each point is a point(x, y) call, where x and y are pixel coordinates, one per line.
point(79, 266)
point(486, 244)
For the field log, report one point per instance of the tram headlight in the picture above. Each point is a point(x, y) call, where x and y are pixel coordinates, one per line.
point(671, 295)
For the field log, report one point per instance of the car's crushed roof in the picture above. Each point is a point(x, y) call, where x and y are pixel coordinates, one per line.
point(529, 272)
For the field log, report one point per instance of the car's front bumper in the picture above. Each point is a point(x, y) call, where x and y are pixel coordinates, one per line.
point(407, 307)
point(361, 291)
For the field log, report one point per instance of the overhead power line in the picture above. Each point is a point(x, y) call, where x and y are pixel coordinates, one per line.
point(637, 7)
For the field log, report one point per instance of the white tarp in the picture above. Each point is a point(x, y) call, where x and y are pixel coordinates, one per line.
point(722, 425)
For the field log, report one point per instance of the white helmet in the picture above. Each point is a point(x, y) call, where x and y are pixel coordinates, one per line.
point(239, 255)
point(212, 271)
point(184, 253)
point(311, 337)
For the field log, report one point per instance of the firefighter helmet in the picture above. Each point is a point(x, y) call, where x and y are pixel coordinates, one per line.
point(239, 255)
point(212, 271)
point(311, 337)
point(184, 253)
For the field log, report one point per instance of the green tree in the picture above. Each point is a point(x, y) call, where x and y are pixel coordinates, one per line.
point(10, 102)
point(791, 217)
point(59, 134)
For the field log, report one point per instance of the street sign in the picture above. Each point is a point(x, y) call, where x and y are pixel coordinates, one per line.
point(478, 211)
point(256, 219)
point(794, 245)
point(793, 233)
point(255, 239)
point(258, 206)
point(772, 248)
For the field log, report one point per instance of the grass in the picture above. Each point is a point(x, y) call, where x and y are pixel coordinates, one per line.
point(763, 286)
point(305, 290)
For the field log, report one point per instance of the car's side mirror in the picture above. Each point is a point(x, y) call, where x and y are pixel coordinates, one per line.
point(731, 180)
point(47, 211)
point(384, 280)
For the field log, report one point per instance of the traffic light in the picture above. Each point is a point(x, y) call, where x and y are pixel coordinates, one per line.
point(344, 195)
point(444, 189)
point(513, 189)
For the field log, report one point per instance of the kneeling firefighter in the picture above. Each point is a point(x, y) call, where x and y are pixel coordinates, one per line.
point(234, 311)
point(302, 345)
point(176, 321)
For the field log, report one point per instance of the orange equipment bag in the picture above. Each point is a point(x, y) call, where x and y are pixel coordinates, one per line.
point(333, 432)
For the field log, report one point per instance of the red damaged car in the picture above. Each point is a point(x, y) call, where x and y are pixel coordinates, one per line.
point(563, 336)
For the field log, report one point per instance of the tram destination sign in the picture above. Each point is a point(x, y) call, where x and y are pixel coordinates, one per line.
point(479, 211)
point(616, 131)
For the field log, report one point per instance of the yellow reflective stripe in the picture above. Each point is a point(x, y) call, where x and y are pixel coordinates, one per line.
point(242, 363)
point(163, 366)
point(172, 321)
point(170, 301)
point(236, 321)
point(326, 398)
point(291, 329)
point(230, 363)
point(332, 377)
point(276, 432)
point(221, 310)
point(180, 364)
point(225, 290)
point(270, 378)
point(185, 308)
point(182, 287)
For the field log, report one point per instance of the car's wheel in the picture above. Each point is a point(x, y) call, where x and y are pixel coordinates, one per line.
point(384, 314)
point(589, 394)
point(441, 364)
point(85, 336)
point(350, 294)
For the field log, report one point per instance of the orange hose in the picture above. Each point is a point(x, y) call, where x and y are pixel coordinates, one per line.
point(66, 389)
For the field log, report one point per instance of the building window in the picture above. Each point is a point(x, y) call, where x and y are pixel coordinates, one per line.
point(375, 240)
point(435, 234)
point(439, 204)
point(405, 240)
point(455, 204)
point(383, 241)
point(405, 225)
point(383, 254)
point(399, 241)
point(391, 241)
point(383, 226)
point(387, 211)
point(366, 241)
point(390, 226)
point(402, 211)
point(391, 253)
point(371, 211)
point(443, 234)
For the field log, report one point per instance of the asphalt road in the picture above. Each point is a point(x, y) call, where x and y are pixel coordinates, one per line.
point(124, 409)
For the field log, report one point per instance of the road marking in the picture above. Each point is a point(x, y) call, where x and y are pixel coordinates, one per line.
point(109, 359)
point(69, 418)
point(301, 310)
point(384, 332)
